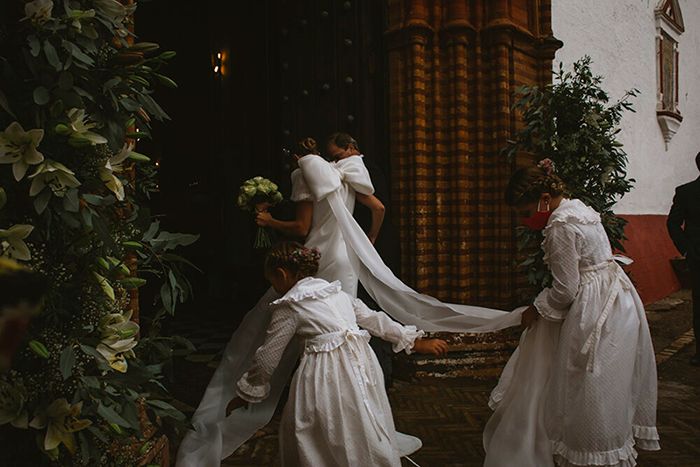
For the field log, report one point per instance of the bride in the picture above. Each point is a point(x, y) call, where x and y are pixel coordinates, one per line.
point(325, 194)
point(315, 222)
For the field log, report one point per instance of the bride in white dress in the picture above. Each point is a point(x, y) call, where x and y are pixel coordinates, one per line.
point(580, 390)
point(315, 222)
point(347, 254)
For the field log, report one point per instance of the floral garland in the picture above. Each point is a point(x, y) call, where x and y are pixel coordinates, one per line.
point(76, 97)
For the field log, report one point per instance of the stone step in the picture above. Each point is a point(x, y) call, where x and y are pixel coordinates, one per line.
point(478, 356)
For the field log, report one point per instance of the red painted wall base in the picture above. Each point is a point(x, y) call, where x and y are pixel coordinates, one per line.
point(649, 245)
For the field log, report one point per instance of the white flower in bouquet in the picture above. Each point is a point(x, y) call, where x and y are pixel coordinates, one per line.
point(258, 194)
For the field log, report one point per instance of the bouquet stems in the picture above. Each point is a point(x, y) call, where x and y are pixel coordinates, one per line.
point(262, 239)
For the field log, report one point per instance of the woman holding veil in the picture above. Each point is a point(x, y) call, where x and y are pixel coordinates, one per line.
point(325, 193)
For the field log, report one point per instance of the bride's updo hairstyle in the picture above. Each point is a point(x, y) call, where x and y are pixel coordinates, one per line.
point(343, 141)
point(306, 146)
point(293, 257)
point(528, 183)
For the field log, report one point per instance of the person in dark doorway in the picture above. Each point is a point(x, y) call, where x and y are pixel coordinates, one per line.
point(341, 146)
point(684, 227)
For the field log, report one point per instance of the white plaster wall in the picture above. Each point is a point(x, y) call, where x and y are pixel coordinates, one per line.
point(619, 35)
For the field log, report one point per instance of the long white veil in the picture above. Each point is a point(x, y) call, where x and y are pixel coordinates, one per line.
point(217, 436)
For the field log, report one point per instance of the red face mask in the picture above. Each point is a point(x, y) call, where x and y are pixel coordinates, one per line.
point(537, 221)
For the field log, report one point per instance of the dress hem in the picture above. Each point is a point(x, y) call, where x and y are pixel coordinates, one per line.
point(644, 437)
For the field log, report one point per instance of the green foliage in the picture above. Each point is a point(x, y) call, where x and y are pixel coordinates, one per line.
point(573, 123)
point(75, 94)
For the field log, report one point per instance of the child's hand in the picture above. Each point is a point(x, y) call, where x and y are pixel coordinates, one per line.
point(235, 403)
point(430, 346)
point(529, 316)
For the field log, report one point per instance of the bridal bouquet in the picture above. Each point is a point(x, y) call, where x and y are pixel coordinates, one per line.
point(259, 194)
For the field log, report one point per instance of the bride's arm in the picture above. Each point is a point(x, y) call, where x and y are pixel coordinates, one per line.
point(299, 227)
point(377, 208)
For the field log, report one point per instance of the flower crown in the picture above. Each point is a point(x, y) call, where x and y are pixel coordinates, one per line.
point(298, 257)
point(304, 256)
point(551, 181)
point(547, 165)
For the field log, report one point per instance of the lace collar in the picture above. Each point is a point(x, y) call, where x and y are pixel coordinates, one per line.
point(573, 211)
point(309, 287)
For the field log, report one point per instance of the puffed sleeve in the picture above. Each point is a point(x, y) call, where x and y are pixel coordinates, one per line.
point(254, 385)
point(321, 178)
point(354, 172)
point(300, 190)
point(381, 325)
point(561, 247)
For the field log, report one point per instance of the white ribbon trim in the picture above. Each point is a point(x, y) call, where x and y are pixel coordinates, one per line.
point(620, 282)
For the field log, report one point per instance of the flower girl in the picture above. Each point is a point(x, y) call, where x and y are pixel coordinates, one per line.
point(338, 412)
point(580, 390)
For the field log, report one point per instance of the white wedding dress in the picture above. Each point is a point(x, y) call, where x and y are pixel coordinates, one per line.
point(346, 255)
point(581, 387)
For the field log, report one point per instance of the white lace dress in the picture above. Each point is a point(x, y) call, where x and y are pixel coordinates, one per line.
point(338, 413)
point(581, 388)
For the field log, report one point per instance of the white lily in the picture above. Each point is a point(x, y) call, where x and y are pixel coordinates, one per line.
point(61, 422)
point(78, 15)
point(55, 175)
point(114, 164)
point(12, 405)
point(19, 148)
point(13, 244)
point(79, 128)
point(115, 12)
point(112, 9)
point(38, 11)
point(118, 339)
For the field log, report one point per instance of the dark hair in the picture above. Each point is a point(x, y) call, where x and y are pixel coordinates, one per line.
point(528, 183)
point(20, 284)
point(306, 146)
point(294, 257)
point(343, 140)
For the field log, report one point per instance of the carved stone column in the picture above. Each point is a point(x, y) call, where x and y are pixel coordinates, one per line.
point(454, 66)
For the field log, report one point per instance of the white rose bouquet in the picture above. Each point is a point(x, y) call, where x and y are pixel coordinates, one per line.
point(257, 195)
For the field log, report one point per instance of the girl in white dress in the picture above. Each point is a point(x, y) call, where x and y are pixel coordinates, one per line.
point(581, 388)
point(338, 413)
